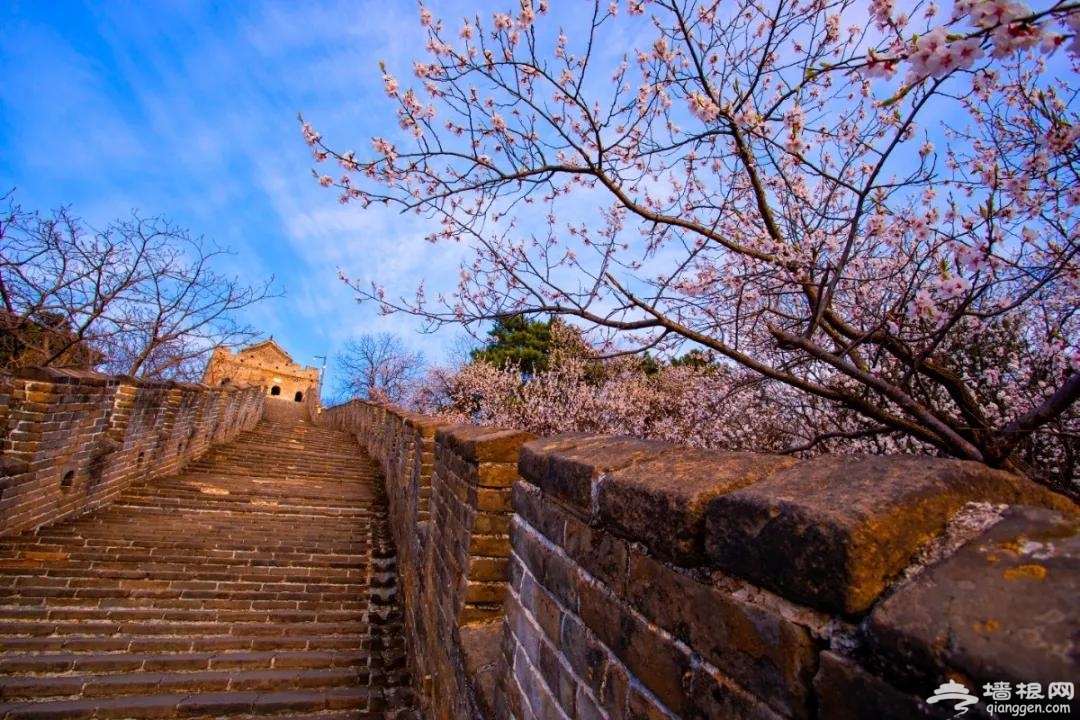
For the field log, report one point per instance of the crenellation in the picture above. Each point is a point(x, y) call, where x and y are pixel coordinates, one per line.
point(75, 439)
point(614, 577)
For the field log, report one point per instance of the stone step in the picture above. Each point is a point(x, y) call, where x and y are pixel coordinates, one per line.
point(29, 665)
point(220, 642)
point(189, 603)
point(46, 628)
point(24, 689)
point(212, 704)
point(256, 584)
point(15, 613)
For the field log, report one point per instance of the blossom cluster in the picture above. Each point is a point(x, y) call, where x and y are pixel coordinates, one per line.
point(746, 178)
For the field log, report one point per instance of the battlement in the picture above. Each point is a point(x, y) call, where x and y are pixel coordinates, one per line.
point(589, 577)
point(74, 440)
point(583, 576)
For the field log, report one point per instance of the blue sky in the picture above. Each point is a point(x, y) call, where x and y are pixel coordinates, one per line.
point(188, 110)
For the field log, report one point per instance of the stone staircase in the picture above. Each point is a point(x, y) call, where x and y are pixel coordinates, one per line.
point(260, 582)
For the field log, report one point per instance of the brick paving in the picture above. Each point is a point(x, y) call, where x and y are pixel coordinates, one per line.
point(260, 582)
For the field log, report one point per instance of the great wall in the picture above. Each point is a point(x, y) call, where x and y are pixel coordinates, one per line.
point(174, 550)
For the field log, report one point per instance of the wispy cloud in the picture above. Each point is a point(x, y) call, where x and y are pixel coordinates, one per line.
point(189, 110)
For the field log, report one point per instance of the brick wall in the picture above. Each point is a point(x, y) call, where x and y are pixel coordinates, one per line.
point(449, 489)
point(73, 440)
point(638, 579)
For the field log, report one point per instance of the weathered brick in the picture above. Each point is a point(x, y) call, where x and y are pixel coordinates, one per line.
point(586, 656)
point(763, 651)
point(485, 592)
point(833, 531)
point(1003, 608)
point(566, 466)
point(493, 499)
point(661, 502)
point(655, 659)
point(558, 678)
point(714, 696)
point(482, 444)
point(845, 691)
point(497, 474)
point(490, 545)
point(640, 706)
point(543, 608)
point(540, 511)
point(551, 569)
point(597, 552)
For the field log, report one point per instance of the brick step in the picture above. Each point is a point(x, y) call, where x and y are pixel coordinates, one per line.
point(78, 556)
point(322, 715)
point(117, 573)
point(324, 454)
point(181, 590)
point(277, 441)
point(54, 663)
point(308, 540)
point(124, 615)
point(315, 461)
point(217, 527)
point(122, 643)
point(234, 569)
point(287, 452)
point(189, 603)
point(215, 487)
point(281, 703)
point(191, 599)
point(173, 584)
point(22, 689)
point(218, 511)
point(231, 466)
point(232, 469)
point(261, 569)
point(227, 536)
point(45, 628)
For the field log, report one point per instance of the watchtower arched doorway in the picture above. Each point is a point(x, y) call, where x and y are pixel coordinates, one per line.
point(275, 390)
point(299, 396)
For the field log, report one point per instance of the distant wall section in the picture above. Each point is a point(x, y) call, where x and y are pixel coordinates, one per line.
point(74, 440)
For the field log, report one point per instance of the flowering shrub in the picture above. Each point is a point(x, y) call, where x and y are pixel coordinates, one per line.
point(705, 406)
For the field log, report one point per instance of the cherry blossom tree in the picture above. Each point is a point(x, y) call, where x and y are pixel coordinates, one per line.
point(872, 205)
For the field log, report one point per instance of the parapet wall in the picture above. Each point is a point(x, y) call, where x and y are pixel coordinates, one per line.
point(74, 440)
point(597, 577)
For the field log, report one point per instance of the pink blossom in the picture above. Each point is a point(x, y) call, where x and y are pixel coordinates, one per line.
point(703, 107)
point(881, 12)
point(951, 288)
point(922, 306)
point(879, 67)
point(390, 84)
point(310, 136)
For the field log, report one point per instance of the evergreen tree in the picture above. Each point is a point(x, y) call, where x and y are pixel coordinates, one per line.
point(520, 341)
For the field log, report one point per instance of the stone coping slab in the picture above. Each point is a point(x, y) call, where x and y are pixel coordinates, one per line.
point(1005, 607)
point(832, 532)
